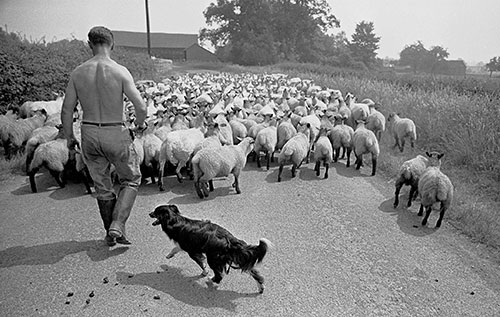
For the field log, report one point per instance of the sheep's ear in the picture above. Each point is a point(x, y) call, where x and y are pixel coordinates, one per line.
point(216, 125)
point(440, 155)
point(239, 138)
point(308, 125)
point(428, 154)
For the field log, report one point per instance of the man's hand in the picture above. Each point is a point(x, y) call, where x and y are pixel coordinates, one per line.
point(73, 143)
point(141, 127)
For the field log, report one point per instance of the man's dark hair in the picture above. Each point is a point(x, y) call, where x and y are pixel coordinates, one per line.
point(100, 35)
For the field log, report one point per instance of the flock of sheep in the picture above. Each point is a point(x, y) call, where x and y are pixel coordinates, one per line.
point(209, 124)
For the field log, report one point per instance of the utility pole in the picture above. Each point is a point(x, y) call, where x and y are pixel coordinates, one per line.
point(147, 28)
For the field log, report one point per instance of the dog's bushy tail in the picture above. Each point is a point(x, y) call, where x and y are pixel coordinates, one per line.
point(247, 256)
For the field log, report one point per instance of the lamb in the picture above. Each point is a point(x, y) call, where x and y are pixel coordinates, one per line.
point(364, 142)
point(21, 130)
point(285, 131)
point(401, 129)
point(39, 136)
point(177, 149)
point(323, 151)
point(51, 107)
point(313, 120)
point(375, 121)
point(225, 128)
point(341, 137)
point(55, 156)
point(434, 186)
point(410, 172)
point(218, 162)
point(295, 150)
point(266, 141)
point(239, 129)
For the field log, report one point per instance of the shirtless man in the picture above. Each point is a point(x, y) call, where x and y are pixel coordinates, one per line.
point(99, 85)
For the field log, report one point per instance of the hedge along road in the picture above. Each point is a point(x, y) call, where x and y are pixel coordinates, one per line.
point(339, 249)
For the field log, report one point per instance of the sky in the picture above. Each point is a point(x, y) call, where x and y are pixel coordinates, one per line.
point(468, 29)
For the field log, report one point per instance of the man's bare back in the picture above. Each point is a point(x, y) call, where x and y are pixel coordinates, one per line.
point(99, 85)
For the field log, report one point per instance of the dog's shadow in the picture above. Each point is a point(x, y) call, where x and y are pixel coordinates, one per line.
point(54, 252)
point(191, 290)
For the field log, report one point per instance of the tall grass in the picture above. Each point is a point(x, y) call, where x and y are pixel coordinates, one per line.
point(462, 125)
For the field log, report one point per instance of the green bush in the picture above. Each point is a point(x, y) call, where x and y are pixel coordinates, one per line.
point(37, 70)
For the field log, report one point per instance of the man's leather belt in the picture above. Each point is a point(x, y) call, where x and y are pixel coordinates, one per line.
point(106, 124)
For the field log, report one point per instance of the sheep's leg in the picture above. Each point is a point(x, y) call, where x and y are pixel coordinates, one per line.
point(336, 154)
point(427, 213)
point(268, 157)
point(86, 178)
point(180, 165)
point(154, 167)
point(57, 176)
point(258, 278)
point(197, 185)
point(258, 159)
point(211, 185)
point(374, 165)
point(294, 170)
point(398, 185)
point(32, 174)
point(413, 189)
point(327, 166)
point(160, 174)
point(343, 153)
point(349, 150)
point(204, 188)
point(308, 155)
point(316, 167)
point(236, 183)
point(359, 161)
point(279, 172)
point(272, 158)
point(442, 210)
point(421, 210)
point(401, 148)
point(174, 251)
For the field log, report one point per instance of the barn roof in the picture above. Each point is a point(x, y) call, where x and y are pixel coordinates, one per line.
point(158, 40)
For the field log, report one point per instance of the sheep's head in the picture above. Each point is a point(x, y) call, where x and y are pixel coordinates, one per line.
point(434, 158)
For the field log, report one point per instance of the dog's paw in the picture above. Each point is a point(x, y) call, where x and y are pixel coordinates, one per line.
point(261, 288)
point(212, 284)
point(170, 255)
point(204, 272)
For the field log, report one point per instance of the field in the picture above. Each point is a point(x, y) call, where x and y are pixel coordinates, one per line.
point(454, 115)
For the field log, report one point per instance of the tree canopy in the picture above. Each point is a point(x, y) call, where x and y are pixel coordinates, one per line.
point(252, 32)
point(420, 58)
point(364, 43)
point(493, 65)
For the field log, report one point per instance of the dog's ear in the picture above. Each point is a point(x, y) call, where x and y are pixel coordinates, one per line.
point(174, 209)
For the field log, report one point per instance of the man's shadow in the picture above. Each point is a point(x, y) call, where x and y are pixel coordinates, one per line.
point(191, 290)
point(52, 253)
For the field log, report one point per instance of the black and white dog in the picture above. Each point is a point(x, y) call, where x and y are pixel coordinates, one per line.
point(199, 238)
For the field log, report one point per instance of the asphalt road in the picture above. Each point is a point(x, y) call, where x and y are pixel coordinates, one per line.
point(340, 249)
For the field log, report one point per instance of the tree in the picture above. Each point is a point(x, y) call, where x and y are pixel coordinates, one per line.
point(493, 65)
point(364, 43)
point(261, 31)
point(420, 58)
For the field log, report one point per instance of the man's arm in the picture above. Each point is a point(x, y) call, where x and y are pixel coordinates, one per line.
point(133, 94)
point(69, 104)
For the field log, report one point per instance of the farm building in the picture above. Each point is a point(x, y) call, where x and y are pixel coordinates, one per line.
point(453, 67)
point(177, 47)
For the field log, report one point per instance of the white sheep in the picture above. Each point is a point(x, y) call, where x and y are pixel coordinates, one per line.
point(375, 121)
point(57, 158)
point(341, 137)
point(323, 151)
point(410, 172)
point(359, 111)
point(51, 107)
point(7, 122)
point(295, 150)
point(21, 130)
point(266, 141)
point(402, 129)
point(315, 123)
point(364, 142)
point(237, 127)
point(225, 128)
point(434, 186)
point(209, 163)
point(39, 136)
point(286, 130)
point(177, 149)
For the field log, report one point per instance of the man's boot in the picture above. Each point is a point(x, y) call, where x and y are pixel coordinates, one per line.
point(106, 208)
point(123, 207)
